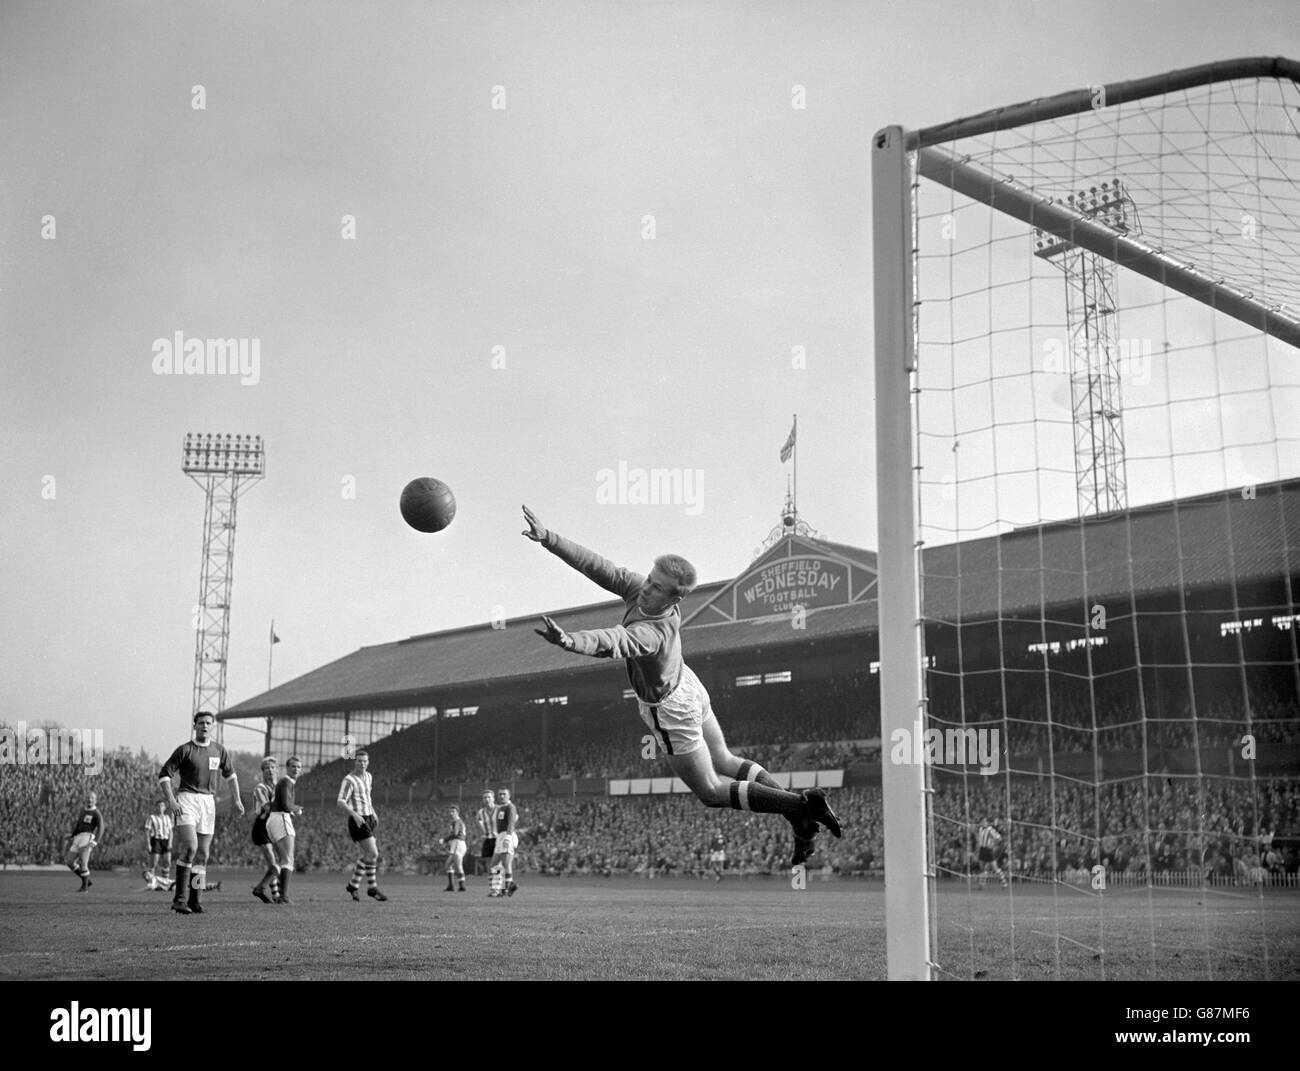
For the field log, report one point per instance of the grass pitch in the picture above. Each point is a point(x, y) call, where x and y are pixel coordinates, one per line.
point(629, 928)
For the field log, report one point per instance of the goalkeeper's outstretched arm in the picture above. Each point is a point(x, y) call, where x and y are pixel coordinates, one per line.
point(622, 582)
point(637, 640)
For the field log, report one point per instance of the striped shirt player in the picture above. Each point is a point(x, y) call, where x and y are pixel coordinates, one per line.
point(487, 825)
point(199, 763)
point(671, 699)
point(158, 828)
point(987, 841)
point(86, 833)
point(268, 887)
point(501, 881)
point(455, 841)
point(355, 799)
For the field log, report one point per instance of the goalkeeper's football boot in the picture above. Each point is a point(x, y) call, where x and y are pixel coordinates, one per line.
point(512, 889)
point(820, 811)
point(260, 892)
point(804, 835)
point(374, 893)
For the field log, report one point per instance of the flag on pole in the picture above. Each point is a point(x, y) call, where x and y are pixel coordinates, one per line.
point(274, 638)
point(788, 448)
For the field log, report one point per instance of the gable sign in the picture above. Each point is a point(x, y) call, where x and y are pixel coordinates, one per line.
point(777, 587)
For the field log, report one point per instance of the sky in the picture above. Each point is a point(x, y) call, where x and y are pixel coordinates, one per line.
point(642, 255)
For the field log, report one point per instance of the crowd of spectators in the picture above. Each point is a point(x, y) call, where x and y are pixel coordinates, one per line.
point(39, 803)
point(822, 725)
point(1050, 827)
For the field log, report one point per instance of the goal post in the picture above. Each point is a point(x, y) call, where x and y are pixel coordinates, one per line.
point(1087, 348)
point(907, 882)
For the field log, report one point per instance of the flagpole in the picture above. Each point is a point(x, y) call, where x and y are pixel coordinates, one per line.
point(270, 654)
point(796, 469)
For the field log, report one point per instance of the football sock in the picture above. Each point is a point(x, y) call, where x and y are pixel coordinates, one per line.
point(285, 871)
point(752, 771)
point(748, 796)
point(358, 872)
point(182, 880)
point(371, 868)
point(198, 878)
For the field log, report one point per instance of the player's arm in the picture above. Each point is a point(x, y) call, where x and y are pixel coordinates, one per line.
point(233, 782)
point(171, 766)
point(232, 779)
point(622, 582)
point(512, 817)
point(97, 834)
point(637, 640)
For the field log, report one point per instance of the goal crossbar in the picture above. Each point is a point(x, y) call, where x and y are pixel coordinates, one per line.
point(1010, 197)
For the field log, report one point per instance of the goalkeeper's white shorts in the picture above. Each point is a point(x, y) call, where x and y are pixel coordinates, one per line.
point(678, 718)
point(507, 843)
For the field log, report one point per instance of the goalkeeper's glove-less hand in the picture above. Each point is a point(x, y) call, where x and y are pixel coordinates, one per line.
point(554, 634)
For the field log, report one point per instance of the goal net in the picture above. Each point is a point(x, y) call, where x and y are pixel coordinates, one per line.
point(1088, 446)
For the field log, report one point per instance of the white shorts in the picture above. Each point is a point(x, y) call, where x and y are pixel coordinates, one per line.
point(279, 824)
point(678, 718)
point(717, 857)
point(506, 843)
point(197, 810)
point(81, 840)
point(456, 849)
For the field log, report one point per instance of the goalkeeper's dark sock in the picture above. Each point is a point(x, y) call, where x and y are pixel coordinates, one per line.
point(752, 771)
point(755, 774)
point(198, 878)
point(182, 882)
point(748, 796)
point(285, 872)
